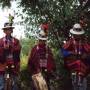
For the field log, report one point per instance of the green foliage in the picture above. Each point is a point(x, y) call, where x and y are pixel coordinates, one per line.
point(60, 14)
point(23, 62)
point(27, 44)
point(5, 3)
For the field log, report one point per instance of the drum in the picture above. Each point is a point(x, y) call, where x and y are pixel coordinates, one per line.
point(39, 82)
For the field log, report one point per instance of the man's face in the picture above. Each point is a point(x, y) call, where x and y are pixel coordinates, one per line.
point(42, 41)
point(8, 31)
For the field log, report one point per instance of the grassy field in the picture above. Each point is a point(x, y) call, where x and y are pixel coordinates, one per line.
point(23, 62)
point(24, 75)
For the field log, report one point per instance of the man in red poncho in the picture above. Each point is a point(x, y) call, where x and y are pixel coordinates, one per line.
point(75, 49)
point(41, 58)
point(9, 55)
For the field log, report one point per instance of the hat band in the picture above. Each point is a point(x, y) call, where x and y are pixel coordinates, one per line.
point(77, 29)
point(42, 36)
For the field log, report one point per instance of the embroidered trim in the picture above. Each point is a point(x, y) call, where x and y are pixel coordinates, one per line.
point(43, 62)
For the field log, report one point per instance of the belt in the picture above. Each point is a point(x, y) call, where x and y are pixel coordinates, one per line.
point(44, 69)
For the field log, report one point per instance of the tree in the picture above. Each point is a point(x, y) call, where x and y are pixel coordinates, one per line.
point(60, 14)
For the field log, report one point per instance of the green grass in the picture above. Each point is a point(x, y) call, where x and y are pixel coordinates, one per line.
point(24, 75)
point(23, 62)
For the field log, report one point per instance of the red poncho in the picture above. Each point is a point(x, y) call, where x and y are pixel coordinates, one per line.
point(14, 51)
point(38, 59)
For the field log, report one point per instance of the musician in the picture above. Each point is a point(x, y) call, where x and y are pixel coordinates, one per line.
point(77, 44)
point(41, 58)
point(77, 47)
point(9, 54)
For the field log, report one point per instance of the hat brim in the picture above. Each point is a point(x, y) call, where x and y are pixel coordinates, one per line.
point(77, 33)
point(40, 38)
point(8, 27)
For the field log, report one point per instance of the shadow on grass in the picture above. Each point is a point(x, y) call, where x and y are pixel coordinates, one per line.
point(25, 80)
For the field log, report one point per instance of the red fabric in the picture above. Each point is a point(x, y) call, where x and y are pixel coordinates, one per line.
point(15, 50)
point(70, 46)
point(34, 63)
point(71, 62)
point(44, 26)
point(78, 66)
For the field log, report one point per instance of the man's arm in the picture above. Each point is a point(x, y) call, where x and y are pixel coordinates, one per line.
point(16, 47)
point(31, 56)
point(16, 50)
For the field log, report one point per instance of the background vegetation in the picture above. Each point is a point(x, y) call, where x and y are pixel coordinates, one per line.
point(60, 15)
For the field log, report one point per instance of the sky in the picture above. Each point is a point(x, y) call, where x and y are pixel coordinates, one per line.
point(18, 31)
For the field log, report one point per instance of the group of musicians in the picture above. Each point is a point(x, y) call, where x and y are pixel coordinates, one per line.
point(41, 61)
